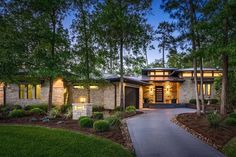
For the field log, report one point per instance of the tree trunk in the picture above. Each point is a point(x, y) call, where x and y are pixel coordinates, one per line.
point(201, 86)
point(50, 94)
point(163, 56)
point(88, 94)
point(195, 85)
point(224, 92)
point(122, 105)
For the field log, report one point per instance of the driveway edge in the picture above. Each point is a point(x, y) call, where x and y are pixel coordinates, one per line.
point(196, 134)
point(126, 135)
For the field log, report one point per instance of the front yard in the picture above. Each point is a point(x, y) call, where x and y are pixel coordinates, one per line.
point(21, 141)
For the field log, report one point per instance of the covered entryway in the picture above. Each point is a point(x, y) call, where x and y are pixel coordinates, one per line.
point(132, 96)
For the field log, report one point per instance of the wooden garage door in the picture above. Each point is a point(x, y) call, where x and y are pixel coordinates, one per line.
point(131, 96)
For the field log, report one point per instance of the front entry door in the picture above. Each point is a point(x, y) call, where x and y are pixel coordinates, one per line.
point(159, 94)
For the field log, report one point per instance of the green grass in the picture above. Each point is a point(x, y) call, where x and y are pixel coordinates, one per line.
point(230, 148)
point(30, 141)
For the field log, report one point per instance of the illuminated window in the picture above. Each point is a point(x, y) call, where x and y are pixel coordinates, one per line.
point(79, 87)
point(207, 74)
point(208, 89)
point(187, 74)
point(198, 89)
point(93, 87)
point(22, 91)
point(217, 74)
point(29, 91)
point(160, 73)
point(37, 91)
point(152, 73)
point(166, 73)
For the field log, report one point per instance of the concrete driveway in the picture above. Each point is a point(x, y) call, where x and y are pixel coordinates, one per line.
point(154, 135)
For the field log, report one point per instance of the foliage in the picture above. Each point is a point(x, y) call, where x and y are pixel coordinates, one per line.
point(69, 113)
point(230, 148)
point(86, 123)
point(214, 101)
point(118, 108)
point(130, 109)
point(113, 121)
point(17, 113)
point(232, 115)
point(119, 114)
point(213, 119)
point(98, 108)
point(54, 113)
point(37, 111)
point(65, 107)
point(51, 142)
point(43, 107)
point(17, 107)
point(82, 117)
point(101, 126)
point(230, 121)
point(97, 115)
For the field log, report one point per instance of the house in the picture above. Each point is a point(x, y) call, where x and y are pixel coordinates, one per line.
point(155, 86)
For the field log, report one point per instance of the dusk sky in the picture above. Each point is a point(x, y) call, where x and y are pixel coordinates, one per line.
point(156, 16)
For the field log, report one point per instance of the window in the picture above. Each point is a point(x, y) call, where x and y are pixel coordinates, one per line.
point(37, 91)
point(159, 73)
point(207, 74)
point(206, 89)
point(21, 91)
point(79, 87)
point(29, 91)
point(217, 74)
point(152, 73)
point(93, 87)
point(187, 74)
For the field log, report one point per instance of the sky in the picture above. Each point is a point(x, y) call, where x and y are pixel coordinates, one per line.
point(154, 18)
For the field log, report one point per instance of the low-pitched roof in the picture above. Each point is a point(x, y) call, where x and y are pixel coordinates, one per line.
point(127, 79)
point(163, 79)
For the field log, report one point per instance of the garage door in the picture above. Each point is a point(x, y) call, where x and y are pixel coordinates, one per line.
point(132, 96)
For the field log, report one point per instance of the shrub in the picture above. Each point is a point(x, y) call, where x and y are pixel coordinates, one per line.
point(17, 107)
point(119, 114)
point(65, 107)
point(68, 113)
point(230, 121)
point(81, 117)
point(98, 108)
point(214, 101)
point(54, 113)
point(101, 126)
point(43, 107)
point(192, 101)
point(113, 121)
point(130, 109)
point(97, 115)
point(232, 115)
point(37, 111)
point(86, 123)
point(118, 108)
point(213, 119)
point(16, 113)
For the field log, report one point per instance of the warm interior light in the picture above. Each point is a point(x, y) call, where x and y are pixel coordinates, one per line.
point(79, 87)
point(82, 99)
point(93, 87)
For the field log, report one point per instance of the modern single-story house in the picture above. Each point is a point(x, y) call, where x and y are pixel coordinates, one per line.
point(155, 86)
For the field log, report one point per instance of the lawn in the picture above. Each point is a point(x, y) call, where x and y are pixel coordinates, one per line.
point(29, 141)
point(230, 148)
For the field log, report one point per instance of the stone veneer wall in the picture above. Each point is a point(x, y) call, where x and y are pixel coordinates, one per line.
point(12, 94)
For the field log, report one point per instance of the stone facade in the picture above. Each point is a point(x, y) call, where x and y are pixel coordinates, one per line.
point(12, 94)
point(1, 94)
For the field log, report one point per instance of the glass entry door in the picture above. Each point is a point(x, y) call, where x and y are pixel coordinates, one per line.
point(159, 94)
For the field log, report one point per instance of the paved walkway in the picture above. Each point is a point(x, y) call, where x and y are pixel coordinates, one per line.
point(154, 135)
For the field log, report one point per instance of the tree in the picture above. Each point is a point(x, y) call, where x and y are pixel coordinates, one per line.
point(125, 21)
point(165, 37)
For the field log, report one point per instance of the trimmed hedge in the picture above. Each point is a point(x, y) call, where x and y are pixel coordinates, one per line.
point(97, 115)
point(16, 113)
point(230, 121)
point(81, 117)
point(37, 111)
point(101, 126)
point(86, 123)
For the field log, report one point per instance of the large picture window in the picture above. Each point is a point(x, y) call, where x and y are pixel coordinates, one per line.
point(21, 91)
point(206, 89)
point(37, 91)
point(29, 91)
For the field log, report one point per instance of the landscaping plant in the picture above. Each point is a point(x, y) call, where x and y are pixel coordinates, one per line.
point(130, 109)
point(16, 113)
point(98, 108)
point(214, 119)
point(86, 122)
point(43, 107)
point(65, 107)
point(97, 115)
point(113, 121)
point(230, 121)
point(101, 126)
point(232, 115)
point(68, 113)
point(37, 111)
point(81, 117)
point(54, 113)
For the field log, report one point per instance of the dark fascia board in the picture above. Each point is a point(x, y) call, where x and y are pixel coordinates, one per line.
point(128, 80)
point(167, 69)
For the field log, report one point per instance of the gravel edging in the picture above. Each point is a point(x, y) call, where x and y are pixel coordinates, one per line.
point(196, 134)
point(126, 135)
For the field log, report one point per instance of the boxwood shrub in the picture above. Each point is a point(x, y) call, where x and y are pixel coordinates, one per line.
point(97, 115)
point(230, 121)
point(44, 107)
point(81, 117)
point(37, 111)
point(16, 113)
point(86, 123)
point(101, 126)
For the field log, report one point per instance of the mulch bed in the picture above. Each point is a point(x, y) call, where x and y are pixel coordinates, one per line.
point(114, 134)
point(211, 107)
point(217, 137)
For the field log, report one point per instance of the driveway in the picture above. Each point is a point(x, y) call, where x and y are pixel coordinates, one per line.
point(154, 135)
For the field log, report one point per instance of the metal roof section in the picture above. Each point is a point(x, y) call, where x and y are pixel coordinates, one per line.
point(128, 79)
